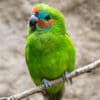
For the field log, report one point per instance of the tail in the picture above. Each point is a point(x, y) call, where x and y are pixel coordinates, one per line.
point(56, 96)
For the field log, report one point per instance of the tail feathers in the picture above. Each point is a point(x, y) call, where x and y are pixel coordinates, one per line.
point(56, 96)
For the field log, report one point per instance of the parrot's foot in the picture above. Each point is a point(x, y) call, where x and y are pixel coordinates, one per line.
point(65, 74)
point(46, 83)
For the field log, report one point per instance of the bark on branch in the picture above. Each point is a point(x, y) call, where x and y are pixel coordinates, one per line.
point(41, 88)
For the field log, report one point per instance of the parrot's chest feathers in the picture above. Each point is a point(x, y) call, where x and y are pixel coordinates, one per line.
point(46, 46)
point(47, 54)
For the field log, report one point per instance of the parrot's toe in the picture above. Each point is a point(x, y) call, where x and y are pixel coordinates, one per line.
point(46, 83)
point(65, 74)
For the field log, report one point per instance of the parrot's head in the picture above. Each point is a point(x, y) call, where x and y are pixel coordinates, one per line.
point(44, 17)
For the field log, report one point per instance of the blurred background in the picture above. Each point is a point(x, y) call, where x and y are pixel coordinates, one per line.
point(82, 23)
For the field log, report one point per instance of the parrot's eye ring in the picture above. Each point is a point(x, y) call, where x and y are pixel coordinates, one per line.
point(47, 17)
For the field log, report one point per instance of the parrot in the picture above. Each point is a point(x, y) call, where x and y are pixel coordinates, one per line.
point(50, 52)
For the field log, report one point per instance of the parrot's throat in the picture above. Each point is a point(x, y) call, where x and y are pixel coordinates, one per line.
point(33, 26)
point(46, 24)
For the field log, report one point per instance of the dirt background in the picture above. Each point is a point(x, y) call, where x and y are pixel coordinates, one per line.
point(82, 23)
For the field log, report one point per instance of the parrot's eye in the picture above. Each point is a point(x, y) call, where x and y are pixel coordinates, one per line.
point(47, 17)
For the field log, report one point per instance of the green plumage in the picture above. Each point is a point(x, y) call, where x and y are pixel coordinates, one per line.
point(49, 51)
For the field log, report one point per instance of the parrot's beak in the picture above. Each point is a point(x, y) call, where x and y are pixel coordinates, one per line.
point(33, 21)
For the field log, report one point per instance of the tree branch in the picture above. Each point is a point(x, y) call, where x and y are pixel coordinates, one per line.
point(41, 88)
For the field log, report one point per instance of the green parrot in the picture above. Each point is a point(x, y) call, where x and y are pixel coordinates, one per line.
point(50, 51)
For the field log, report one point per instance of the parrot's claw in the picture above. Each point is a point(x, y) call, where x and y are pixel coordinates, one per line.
point(65, 74)
point(46, 83)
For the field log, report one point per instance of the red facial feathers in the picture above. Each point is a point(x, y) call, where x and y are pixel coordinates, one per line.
point(46, 24)
point(36, 10)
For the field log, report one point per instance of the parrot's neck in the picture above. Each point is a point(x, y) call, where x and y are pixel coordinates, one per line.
point(54, 30)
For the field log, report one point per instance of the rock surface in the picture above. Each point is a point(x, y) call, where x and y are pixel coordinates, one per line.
point(83, 24)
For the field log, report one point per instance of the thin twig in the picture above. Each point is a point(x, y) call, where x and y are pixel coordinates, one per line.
point(41, 88)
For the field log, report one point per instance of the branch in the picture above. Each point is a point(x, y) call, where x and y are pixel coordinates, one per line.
point(41, 88)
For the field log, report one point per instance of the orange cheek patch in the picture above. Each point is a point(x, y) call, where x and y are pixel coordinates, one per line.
point(41, 23)
point(46, 24)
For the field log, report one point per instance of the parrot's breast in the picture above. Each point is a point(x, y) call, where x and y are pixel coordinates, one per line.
point(47, 56)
